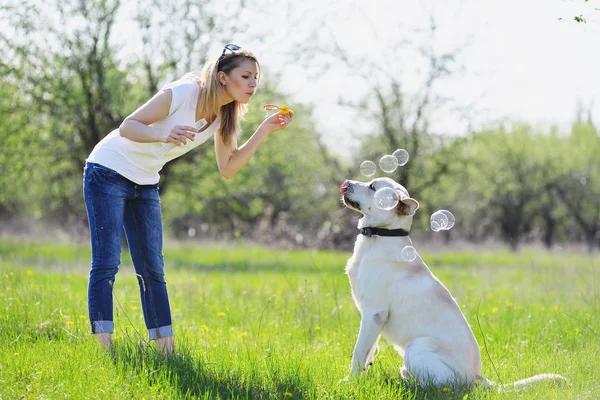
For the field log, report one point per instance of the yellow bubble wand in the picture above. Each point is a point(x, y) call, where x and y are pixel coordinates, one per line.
point(282, 109)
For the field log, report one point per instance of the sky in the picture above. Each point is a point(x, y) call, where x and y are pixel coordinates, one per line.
point(524, 60)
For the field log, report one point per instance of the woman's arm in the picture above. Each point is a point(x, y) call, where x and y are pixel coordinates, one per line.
point(230, 158)
point(136, 126)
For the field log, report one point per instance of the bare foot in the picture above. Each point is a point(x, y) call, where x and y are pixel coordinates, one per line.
point(104, 339)
point(165, 345)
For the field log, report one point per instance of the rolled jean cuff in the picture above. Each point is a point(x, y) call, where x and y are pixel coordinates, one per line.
point(163, 331)
point(103, 326)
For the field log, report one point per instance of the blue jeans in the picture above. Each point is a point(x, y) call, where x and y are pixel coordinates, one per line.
point(113, 203)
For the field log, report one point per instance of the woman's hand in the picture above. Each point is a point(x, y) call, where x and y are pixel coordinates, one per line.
point(180, 134)
point(277, 121)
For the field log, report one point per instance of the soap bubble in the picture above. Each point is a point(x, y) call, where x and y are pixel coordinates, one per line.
point(386, 198)
point(409, 254)
point(451, 219)
point(442, 220)
point(401, 155)
point(388, 163)
point(438, 221)
point(368, 168)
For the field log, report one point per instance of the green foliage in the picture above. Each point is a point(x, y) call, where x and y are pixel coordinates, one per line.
point(20, 148)
point(70, 92)
point(509, 172)
point(577, 185)
point(519, 183)
point(443, 179)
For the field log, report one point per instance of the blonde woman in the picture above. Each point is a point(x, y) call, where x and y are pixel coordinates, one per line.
point(122, 173)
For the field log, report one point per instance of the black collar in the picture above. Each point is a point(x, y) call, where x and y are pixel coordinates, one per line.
point(382, 232)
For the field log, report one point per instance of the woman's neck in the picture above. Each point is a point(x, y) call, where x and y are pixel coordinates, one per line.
point(224, 100)
point(201, 109)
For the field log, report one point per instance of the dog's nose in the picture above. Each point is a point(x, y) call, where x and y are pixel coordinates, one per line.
point(344, 186)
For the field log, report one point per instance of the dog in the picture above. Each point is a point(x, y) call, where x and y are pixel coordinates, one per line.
point(404, 302)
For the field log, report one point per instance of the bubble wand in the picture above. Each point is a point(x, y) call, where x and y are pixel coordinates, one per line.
point(282, 109)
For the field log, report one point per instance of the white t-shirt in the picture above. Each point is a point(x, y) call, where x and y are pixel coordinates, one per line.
point(141, 162)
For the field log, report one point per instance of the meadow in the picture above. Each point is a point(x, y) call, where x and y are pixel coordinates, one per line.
point(258, 323)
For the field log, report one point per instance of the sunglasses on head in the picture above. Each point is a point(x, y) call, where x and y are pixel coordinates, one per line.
point(231, 47)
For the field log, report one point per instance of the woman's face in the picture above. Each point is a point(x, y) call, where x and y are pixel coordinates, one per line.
point(241, 82)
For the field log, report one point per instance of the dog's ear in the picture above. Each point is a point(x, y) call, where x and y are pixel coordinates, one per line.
point(407, 206)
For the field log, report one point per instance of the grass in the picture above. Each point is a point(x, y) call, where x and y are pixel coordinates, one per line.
point(258, 323)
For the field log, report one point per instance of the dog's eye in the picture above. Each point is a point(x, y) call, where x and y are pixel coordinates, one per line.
point(372, 186)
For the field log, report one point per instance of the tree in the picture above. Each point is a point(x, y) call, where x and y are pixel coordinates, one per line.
point(577, 186)
point(73, 88)
point(18, 154)
point(62, 58)
point(509, 171)
point(400, 117)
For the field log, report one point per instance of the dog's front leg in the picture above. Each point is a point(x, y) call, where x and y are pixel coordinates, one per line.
point(370, 327)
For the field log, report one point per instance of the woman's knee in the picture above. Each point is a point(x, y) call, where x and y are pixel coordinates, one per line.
point(104, 270)
point(154, 271)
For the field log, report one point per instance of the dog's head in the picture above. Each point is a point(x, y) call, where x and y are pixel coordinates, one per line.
point(360, 196)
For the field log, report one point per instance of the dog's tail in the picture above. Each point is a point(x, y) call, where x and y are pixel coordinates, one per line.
point(524, 383)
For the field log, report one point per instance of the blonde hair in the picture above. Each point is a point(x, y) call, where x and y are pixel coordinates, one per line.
point(212, 90)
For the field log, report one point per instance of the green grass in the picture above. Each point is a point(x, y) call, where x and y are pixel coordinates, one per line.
point(257, 323)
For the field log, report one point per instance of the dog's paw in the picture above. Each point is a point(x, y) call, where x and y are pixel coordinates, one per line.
point(348, 379)
point(352, 376)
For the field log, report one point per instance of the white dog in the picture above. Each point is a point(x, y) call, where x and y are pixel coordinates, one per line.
point(403, 301)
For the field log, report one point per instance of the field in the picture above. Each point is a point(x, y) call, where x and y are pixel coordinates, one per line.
point(259, 323)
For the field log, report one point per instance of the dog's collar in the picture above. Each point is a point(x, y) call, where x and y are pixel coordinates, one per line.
point(382, 232)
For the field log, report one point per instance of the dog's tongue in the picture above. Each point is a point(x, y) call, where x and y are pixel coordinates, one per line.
point(344, 186)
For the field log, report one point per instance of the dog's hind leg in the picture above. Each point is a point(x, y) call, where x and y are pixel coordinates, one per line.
point(370, 327)
point(423, 363)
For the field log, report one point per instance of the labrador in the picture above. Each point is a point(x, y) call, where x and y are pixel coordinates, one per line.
point(403, 300)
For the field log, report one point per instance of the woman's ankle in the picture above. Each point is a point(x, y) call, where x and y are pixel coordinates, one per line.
point(165, 345)
point(104, 338)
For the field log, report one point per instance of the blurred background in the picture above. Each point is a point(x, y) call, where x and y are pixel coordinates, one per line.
point(497, 105)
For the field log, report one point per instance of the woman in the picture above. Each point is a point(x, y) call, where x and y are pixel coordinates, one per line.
point(122, 173)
